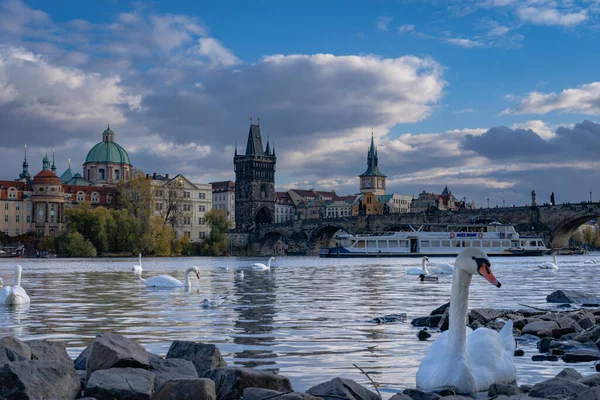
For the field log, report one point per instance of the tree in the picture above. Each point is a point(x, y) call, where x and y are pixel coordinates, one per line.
point(172, 204)
point(94, 224)
point(158, 238)
point(135, 196)
point(217, 242)
point(47, 243)
point(75, 245)
point(126, 232)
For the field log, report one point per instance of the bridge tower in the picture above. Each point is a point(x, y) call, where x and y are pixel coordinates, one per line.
point(254, 182)
point(372, 180)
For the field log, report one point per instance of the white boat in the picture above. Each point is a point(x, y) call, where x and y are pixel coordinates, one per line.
point(441, 240)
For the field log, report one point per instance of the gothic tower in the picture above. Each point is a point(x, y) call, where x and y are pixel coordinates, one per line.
point(372, 180)
point(254, 182)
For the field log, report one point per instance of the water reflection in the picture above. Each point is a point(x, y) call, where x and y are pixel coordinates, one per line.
point(307, 318)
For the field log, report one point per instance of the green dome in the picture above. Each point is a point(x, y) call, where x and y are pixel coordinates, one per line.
point(107, 152)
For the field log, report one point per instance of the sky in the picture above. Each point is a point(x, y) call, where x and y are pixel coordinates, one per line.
point(493, 98)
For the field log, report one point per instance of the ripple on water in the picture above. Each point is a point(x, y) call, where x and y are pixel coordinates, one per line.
point(306, 319)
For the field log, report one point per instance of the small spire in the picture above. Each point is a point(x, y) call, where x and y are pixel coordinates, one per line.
point(25, 153)
point(273, 149)
point(250, 119)
point(235, 154)
point(108, 126)
point(268, 148)
point(259, 120)
point(69, 163)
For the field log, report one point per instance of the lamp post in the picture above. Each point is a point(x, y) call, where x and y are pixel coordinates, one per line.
point(503, 203)
point(488, 201)
point(590, 196)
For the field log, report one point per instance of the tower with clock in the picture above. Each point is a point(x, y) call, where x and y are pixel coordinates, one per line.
point(372, 180)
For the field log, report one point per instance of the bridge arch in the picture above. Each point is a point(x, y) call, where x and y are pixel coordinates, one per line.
point(559, 238)
point(263, 216)
point(322, 236)
point(273, 242)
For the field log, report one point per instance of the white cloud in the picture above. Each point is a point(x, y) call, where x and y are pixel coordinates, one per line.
point(551, 16)
point(584, 100)
point(465, 111)
point(216, 53)
point(406, 28)
point(538, 126)
point(467, 43)
point(383, 23)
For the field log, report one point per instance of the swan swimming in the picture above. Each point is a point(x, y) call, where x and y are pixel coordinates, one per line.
point(240, 274)
point(440, 268)
point(585, 262)
point(424, 270)
point(137, 268)
point(261, 266)
point(460, 358)
point(548, 264)
point(16, 294)
point(167, 281)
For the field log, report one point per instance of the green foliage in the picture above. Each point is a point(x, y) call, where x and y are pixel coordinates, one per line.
point(182, 246)
point(216, 243)
point(75, 245)
point(135, 196)
point(587, 237)
point(158, 238)
point(47, 243)
point(126, 232)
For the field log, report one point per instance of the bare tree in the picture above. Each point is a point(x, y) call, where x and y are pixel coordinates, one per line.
point(173, 203)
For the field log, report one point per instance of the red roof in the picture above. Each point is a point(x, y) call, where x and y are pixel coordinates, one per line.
point(45, 176)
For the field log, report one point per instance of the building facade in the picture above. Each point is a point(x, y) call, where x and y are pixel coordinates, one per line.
point(284, 208)
point(107, 163)
point(339, 207)
point(399, 203)
point(223, 198)
point(444, 201)
point(372, 180)
point(254, 182)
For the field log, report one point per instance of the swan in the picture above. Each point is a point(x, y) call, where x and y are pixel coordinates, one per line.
point(440, 268)
point(424, 270)
point(240, 274)
point(167, 281)
point(585, 262)
point(16, 294)
point(261, 266)
point(548, 264)
point(137, 268)
point(468, 361)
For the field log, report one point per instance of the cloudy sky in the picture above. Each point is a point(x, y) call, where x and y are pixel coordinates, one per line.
point(493, 98)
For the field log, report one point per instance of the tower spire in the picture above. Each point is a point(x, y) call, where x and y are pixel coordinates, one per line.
point(235, 154)
point(268, 149)
point(53, 164)
point(25, 173)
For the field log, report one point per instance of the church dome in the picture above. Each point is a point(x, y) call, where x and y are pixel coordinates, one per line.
point(107, 151)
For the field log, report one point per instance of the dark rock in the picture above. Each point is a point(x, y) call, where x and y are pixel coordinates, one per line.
point(171, 369)
point(44, 350)
point(340, 387)
point(445, 321)
point(526, 388)
point(560, 332)
point(503, 388)
point(38, 380)
point(538, 357)
point(389, 318)
point(587, 322)
point(530, 313)
point(569, 374)
point(82, 376)
point(544, 345)
point(476, 325)
point(557, 352)
point(592, 380)
point(581, 355)
point(447, 392)
point(590, 335)
point(571, 296)
point(515, 397)
point(232, 381)
point(440, 310)
point(557, 387)
point(423, 334)
point(519, 353)
point(186, 389)
point(570, 336)
point(567, 322)
point(520, 323)
point(565, 344)
point(120, 384)
point(496, 325)
point(590, 394)
point(456, 397)
point(12, 349)
point(486, 315)
point(259, 394)
point(540, 328)
point(598, 367)
point(204, 356)
point(417, 394)
point(430, 322)
point(400, 396)
point(110, 350)
point(81, 360)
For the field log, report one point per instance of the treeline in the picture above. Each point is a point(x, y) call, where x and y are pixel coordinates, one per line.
point(587, 237)
point(129, 227)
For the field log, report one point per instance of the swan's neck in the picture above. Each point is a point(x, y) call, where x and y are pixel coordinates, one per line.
point(140, 259)
point(554, 257)
point(423, 265)
point(18, 275)
point(269, 263)
point(459, 303)
point(187, 282)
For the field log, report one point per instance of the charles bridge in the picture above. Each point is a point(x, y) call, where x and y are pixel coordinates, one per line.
point(556, 223)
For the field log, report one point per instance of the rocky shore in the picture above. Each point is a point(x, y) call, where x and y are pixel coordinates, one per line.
point(115, 367)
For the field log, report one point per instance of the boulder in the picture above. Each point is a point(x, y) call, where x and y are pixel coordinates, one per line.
point(416, 394)
point(569, 374)
point(520, 323)
point(581, 355)
point(111, 350)
point(571, 296)
point(587, 322)
point(560, 332)
point(540, 328)
point(81, 375)
point(38, 380)
point(81, 360)
point(430, 322)
point(440, 310)
point(544, 344)
point(120, 384)
point(171, 369)
point(590, 394)
point(400, 396)
point(12, 349)
point(340, 387)
point(506, 389)
point(557, 387)
point(186, 389)
point(591, 381)
point(486, 315)
point(44, 350)
point(259, 394)
point(590, 335)
point(204, 356)
point(232, 381)
point(538, 357)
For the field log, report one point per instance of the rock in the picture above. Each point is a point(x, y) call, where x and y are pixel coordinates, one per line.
point(430, 322)
point(496, 325)
point(526, 388)
point(204, 356)
point(476, 325)
point(120, 384)
point(571, 296)
point(581, 355)
point(38, 380)
point(557, 387)
point(440, 310)
point(519, 353)
point(587, 322)
point(447, 392)
point(520, 323)
point(400, 396)
point(259, 394)
point(515, 397)
point(590, 335)
point(557, 352)
point(566, 344)
point(456, 397)
point(82, 376)
point(538, 357)
point(423, 334)
point(417, 394)
point(340, 387)
point(592, 380)
point(569, 374)
point(232, 381)
point(81, 360)
point(590, 394)
point(445, 321)
point(570, 336)
point(544, 345)
point(598, 367)
point(171, 369)
point(186, 389)
point(389, 318)
point(506, 389)
point(560, 332)
point(486, 315)
point(540, 328)
point(12, 349)
point(44, 350)
point(530, 313)
point(111, 350)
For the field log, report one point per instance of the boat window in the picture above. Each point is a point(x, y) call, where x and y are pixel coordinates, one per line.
point(456, 243)
point(532, 243)
point(435, 243)
point(485, 243)
point(445, 243)
point(523, 243)
point(403, 243)
point(515, 243)
point(466, 243)
point(506, 243)
point(476, 243)
point(382, 244)
point(496, 243)
point(540, 243)
point(372, 243)
point(360, 244)
point(425, 243)
point(393, 243)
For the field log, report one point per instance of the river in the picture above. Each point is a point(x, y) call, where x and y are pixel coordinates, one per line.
point(307, 318)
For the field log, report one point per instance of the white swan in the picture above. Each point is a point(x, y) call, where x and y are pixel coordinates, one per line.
point(424, 270)
point(548, 264)
point(590, 262)
point(261, 266)
point(16, 294)
point(240, 274)
point(469, 362)
point(137, 268)
point(167, 281)
point(440, 268)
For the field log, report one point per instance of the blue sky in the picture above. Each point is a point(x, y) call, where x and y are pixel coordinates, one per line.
point(179, 79)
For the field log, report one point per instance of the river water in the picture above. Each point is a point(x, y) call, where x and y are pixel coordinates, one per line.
point(307, 318)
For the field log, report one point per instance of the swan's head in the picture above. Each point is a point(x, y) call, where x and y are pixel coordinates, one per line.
point(272, 258)
point(426, 259)
point(195, 270)
point(18, 269)
point(474, 261)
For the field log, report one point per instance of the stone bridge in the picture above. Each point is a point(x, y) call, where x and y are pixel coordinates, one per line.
point(555, 223)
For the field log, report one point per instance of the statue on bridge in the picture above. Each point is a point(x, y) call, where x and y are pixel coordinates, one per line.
point(533, 203)
point(552, 199)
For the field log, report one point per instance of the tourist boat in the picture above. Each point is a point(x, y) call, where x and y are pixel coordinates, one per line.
point(12, 252)
point(441, 240)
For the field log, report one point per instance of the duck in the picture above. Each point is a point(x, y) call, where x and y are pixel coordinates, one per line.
point(261, 266)
point(470, 361)
point(137, 268)
point(424, 270)
point(428, 278)
point(548, 264)
point(440, 268)
point(167, 281)
point(15, 295)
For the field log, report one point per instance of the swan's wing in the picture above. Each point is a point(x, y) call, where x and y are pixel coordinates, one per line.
point(163, 281)
point(4, 293)
point(491, 362)
point(507, 337)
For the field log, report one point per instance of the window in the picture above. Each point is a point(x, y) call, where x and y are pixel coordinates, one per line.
point(6, 206)
point(532, 243)
point(101, 174)
point(88, 175)
point(5, 217)
point(540, 243)
point(485, 243)
point(382, 244)
point(201, 208)
point(393, 243)
point(159, 206)
point(506, 243)
point(28, 219)
point(456, 243)
point(12, 194)
point(186, 234)
point(187, 220)
point(95, 197)
point(17, 232)
point(496, 243)
point(6, 231)
point(18, 218)
point(371, 243)
point(202, 221)
point(17, 207)
point(476, 243)
point(466, 243)
point(80, 197)
point(159, 193)
point(52, 210)
point(117, 174)
point(425, 243)
point(435, 243)
point(186, 195)
point(201, 235)
point(202, 196)
point(445, 243)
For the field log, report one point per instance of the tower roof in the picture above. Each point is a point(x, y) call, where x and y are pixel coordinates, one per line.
point(446, 191)
point(107, 151)
point(372, 161)
point(254, 147)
